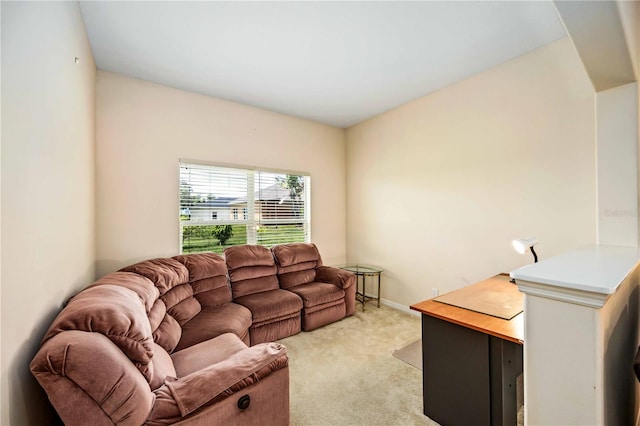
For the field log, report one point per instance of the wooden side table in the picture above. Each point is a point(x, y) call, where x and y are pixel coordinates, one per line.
point(365, 271)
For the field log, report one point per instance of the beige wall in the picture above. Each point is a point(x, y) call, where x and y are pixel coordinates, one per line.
point(2, 383)
point(617, 165)
point(48, 128)
point(630, 19)
point(143, 129)
point(506, 154)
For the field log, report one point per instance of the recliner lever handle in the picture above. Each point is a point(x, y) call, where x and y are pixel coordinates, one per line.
point(244, 402)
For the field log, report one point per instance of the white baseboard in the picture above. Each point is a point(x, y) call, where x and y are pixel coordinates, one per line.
point(395, 305)
point(399, 307)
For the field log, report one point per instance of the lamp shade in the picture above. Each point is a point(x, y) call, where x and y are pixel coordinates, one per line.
point(523, 244)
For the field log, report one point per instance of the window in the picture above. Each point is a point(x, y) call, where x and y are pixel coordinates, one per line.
point(224, 206)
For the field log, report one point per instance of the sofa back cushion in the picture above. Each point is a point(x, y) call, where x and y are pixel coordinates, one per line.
point(162, 367)
point(142, 286)
point(115, 312)
point(251, 270)
point(297, 263)
point(176, 304)
point(208, 277)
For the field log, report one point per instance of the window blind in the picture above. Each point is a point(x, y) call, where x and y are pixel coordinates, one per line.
point(223, 206)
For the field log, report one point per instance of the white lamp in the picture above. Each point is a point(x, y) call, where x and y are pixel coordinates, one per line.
point(523, 244)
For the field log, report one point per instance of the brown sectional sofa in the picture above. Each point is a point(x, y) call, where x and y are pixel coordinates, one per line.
point(188, 339)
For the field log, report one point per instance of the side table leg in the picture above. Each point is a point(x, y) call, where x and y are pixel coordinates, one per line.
point(378, 290)
point(364, 292)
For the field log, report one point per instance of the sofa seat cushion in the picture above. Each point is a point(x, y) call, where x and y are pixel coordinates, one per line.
point(206, 353)
point(212, 321)
point(271, 305)
point(275, 329)
point(321, 315)
point(317, 293)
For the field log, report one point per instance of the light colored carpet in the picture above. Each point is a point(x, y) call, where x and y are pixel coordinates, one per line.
point(411, 354)
point(345, 373)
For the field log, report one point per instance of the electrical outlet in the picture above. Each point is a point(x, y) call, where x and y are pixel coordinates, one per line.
point(435, 292)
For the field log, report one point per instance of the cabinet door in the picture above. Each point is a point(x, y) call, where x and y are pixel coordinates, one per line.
point(506, 361)
point(456, 374)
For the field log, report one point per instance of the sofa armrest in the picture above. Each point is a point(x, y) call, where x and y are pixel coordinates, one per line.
point(89, 380)
point(339, 277)
point(178, 398)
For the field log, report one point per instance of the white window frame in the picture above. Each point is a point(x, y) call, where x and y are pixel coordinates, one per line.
point(250, 218)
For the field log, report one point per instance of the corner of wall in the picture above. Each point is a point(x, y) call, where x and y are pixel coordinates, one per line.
point(48, 155)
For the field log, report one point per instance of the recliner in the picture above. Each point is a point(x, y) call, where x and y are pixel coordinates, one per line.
point(254, 285)
point(327, 293)
point(108, 359)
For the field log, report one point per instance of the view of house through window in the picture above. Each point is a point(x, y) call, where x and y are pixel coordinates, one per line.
point(224, 206)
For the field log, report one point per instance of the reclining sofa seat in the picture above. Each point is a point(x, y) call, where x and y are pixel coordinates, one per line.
point(105, 360)
point(254, 284)
point(327, 293)
point(210, 284)
point(195, 292)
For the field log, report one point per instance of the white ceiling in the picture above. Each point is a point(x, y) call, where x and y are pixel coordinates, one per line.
point(337, 63)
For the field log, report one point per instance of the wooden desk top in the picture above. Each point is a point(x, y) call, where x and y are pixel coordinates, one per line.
point(511, 330)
